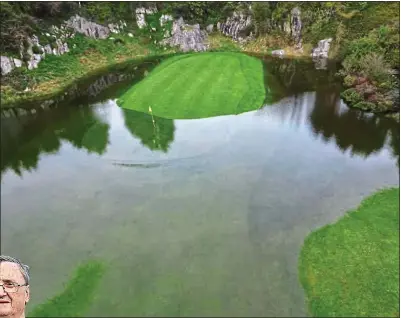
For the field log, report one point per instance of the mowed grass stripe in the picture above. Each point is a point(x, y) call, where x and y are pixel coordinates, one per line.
point(229, 89)
point(206, 82)
point(160, 89)
point(197, 68)
point(253, 96)
point(351, 268)
point(198, 86)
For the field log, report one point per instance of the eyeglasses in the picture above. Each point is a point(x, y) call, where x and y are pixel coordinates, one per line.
point(12, 287)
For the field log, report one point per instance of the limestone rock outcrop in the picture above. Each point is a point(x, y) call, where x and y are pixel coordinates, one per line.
point(186, 37)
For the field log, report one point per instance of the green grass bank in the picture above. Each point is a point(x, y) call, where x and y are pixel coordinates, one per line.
point(351, 268)
point(199, 85)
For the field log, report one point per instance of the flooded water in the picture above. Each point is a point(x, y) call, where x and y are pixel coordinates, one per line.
point(202, 217)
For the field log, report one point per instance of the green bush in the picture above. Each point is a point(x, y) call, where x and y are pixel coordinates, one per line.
point(154, 29)
point(374, 67)
point(36, 50)
point(349, 80)
point(365, 106)
point(352, 96)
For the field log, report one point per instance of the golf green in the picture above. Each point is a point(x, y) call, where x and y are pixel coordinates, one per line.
point(351, 268)
point(199, 85)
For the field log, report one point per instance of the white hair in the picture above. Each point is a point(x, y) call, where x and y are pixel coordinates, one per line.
point(23, 268)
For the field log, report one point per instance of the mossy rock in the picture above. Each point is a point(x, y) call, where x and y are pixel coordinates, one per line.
point(351, 96)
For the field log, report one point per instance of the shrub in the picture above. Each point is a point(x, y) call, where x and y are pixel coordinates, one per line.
point(349, 80)
point(352, 96)
point(374, 67)
point(351, 64)
point(36, 50)
point(365, 106)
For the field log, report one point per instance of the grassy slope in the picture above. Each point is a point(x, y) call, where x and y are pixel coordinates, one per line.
point(351, 268)
point(75, 300)
point(233, 82)
point(56, 73)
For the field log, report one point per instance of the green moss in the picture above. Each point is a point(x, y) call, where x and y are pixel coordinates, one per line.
point(177, 88)
point(351, 268)
point(351, 96)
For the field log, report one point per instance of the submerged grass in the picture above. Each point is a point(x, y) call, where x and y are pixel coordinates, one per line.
point(78, 295)
point(199, 85)
point(351, 268)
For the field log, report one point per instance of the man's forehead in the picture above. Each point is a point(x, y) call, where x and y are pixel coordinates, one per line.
point(10, 271)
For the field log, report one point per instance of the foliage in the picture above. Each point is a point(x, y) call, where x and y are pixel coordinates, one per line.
point(352, 96)
point(349, 80)
point(105, 12)
point(234, 83)
point(262, 13)
point(56, 72)
point(365, 106)
point(154, 29)
point(374, 67)
point(36, 50)
point(202, 12)
point(15, 26)
point(351, 268)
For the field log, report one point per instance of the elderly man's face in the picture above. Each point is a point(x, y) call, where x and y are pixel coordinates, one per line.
point(12, 304)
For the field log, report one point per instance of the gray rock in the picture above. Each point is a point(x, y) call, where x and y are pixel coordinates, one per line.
point(115, 27)
point(65, 48)
point(209, 28)
point(322, 49)
point(35, 40)
point(296, 26)
point(91, 29)
point(236, 26)
point(140, 15)
point(279, 53)
point(6, 65)
point(34, 61)
point(186, 37)
point(287, 27)
point(17, 63)
point(48, 49)
point(164, 18)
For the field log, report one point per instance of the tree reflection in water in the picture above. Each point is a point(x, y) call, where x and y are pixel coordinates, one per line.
point(154, 132)
point(25, 138)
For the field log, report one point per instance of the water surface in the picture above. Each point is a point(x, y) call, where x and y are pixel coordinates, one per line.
point(194, 217)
